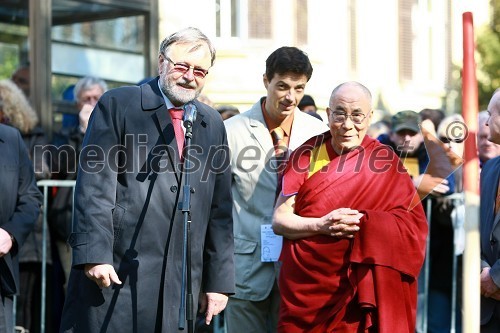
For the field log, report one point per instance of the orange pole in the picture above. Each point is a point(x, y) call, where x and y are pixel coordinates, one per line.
point(470, 105)
point(471, 256)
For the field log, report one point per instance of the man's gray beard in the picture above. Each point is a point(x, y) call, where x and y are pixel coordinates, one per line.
point(176, 96)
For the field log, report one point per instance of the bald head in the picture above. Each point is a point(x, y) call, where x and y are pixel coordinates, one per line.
point(349, 115)
point(493, 121)
point(486, 149)
point(351, 85)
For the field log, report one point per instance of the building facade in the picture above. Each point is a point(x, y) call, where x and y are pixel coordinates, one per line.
point(405, 51)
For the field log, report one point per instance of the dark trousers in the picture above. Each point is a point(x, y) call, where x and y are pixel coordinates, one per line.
point(29, 299)
point(6, 314)
point(493, 326)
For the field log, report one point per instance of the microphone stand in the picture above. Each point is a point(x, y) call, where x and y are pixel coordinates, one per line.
point(185, 207)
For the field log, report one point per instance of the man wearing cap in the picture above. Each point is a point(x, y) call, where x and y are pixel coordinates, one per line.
point(408, 142)
point(308, 106)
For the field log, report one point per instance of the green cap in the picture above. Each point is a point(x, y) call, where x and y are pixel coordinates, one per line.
point(405, 120)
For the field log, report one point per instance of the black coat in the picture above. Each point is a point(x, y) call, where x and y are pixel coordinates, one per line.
point(20, 202)
point(126, 215)
point(490, 234)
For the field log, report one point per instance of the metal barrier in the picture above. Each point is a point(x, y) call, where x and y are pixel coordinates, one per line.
point(218, 325)
point(45, 184)
point(457, 221)
point(218, 322)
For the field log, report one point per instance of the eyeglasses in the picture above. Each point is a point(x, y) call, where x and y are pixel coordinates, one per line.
point(183, 68)
point(341, 117)
point(445, 139)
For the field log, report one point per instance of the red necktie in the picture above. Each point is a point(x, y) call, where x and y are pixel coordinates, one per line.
point(176, 114)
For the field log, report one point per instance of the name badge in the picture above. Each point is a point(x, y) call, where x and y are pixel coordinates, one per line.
point(270, 244)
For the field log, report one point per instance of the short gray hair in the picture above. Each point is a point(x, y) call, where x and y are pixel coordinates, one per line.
point(482, 118)
point(86, 83)
point(188, 35)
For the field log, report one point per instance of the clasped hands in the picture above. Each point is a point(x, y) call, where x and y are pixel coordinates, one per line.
point(341, 223)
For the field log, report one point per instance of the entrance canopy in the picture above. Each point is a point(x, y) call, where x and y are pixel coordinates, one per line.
point(74, 11)
point(50, 53)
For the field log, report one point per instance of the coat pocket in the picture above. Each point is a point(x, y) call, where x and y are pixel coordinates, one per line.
point(244, 246)
point(77, 238)
point(244, 258)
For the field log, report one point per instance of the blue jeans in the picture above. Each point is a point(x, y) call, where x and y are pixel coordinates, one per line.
point(438, 313)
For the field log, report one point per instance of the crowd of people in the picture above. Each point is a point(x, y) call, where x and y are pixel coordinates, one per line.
point(295, 222)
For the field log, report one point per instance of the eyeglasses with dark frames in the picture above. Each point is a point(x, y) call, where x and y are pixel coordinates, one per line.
point(341, 117)
point(445, 139)
point(183, 68)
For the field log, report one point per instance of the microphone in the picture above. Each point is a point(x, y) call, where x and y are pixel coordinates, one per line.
point(189, 115)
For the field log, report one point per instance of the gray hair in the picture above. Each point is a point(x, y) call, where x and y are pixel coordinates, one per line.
point(188, 35)
point(87, 83)
point(482, 118)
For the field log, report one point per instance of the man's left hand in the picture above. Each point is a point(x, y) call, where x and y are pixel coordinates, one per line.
point(213, 303)
point(488, 287)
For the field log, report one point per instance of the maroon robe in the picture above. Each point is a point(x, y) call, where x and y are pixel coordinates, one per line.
point(365, 284)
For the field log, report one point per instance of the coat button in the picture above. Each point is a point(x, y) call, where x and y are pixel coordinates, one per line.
point(173, 188)
point(493, 241)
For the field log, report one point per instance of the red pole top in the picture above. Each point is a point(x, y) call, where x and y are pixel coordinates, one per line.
point(470, 105)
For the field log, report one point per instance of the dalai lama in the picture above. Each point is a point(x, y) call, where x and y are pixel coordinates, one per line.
point(354, 229)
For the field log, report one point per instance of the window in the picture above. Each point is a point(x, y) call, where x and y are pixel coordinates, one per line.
point(125, 34)
point(301, 15)
point(253, 19)
point(405, 40)
point(353, 36)
point(259, 19)
point(227, 18)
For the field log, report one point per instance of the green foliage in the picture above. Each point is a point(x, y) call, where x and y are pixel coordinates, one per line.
point(488, 64)
point(9, 60)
